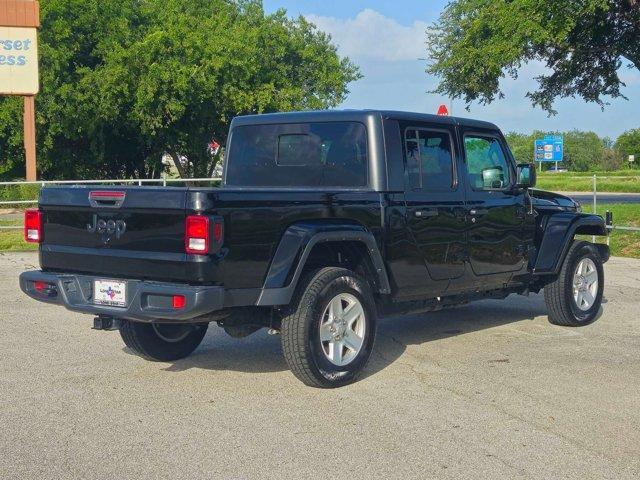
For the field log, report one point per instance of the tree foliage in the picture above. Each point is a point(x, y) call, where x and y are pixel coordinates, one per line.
point(583, 151)
point(124, 81)
point(629, 144)
point(583, 43)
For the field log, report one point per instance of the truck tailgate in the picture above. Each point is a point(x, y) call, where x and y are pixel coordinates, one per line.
point(135, 232)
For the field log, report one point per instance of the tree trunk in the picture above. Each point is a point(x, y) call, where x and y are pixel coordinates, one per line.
point(214, 161)
point(183, 171)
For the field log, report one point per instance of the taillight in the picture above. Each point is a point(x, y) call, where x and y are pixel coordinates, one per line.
point(196, 238)
point(33, 226)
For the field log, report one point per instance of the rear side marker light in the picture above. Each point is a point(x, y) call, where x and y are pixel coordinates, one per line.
point(33, 226)
point(40, 286)
point(179, 301)
point(218, 232)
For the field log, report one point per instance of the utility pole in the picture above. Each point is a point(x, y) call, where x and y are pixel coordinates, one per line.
point(29, 119)
point(19, 22)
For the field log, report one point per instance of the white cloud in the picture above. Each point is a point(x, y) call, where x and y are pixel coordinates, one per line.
point(387, 53)
point(372, 35)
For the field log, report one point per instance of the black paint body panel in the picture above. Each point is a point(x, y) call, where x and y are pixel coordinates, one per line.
point(519, 237)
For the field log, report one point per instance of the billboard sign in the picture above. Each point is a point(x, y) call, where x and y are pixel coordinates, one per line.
point(549, 149)
point(18, 61)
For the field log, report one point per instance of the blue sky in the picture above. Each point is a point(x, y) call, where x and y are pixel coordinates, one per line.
point(386, 39)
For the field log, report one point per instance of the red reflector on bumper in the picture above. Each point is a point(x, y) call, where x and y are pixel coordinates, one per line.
point(40, 286)
point(179, 301)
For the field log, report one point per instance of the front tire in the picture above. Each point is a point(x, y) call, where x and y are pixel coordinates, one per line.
point(162, 342)
point(574, 298)
point(328, 336)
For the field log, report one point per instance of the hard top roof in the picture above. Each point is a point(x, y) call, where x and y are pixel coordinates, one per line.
point(356, 115)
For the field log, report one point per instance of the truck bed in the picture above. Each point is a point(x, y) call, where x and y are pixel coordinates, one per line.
point(152, 245)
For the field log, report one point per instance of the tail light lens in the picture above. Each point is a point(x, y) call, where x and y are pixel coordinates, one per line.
point(196, 238)
point(203, 234)
point(33, 226)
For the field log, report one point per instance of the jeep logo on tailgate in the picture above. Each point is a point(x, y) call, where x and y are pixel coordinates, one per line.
point(107, 228)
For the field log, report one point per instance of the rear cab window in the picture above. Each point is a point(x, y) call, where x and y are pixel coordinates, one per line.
point(430, 163)
point(314, 154)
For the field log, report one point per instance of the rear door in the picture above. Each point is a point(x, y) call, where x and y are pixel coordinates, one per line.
point(434, 202)
point(496, 212)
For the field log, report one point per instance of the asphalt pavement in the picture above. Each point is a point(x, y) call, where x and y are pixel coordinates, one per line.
point(489, 390)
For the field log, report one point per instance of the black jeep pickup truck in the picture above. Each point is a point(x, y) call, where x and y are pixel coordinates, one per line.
point(325, 221)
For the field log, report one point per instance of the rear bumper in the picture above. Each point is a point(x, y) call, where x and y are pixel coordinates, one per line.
point(145, 300)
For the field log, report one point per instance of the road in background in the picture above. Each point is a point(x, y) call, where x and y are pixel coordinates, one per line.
point(585, 197)
point(489, 390)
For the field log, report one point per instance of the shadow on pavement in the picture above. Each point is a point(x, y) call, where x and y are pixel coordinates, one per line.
point(261, 353)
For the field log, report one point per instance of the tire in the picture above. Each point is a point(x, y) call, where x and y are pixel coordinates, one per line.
point(162, 342)
point(327, 301)
point(560, 296)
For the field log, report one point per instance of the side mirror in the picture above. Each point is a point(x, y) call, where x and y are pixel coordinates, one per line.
point(526, 175)
point(492, 177)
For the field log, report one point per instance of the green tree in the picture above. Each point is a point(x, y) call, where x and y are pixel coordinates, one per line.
point(124, 81)
point(521, 145)
point(583, 43)
point(582, 150)
point(629, 144)
point(611, 160)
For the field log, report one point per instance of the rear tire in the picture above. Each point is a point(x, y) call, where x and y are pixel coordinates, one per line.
point(328, 336)
point(162, 342)
point(573, 299)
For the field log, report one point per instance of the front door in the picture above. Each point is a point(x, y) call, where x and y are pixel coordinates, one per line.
point(434, 202)
point(496, 211)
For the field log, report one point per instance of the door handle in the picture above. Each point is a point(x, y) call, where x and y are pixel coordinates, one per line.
point(478, 211)
point(433, 212)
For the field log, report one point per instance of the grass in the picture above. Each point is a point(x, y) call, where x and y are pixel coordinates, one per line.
point(19, 192)
point(600, 173)
point(622, 243)
point(13, 241)
point(628, 181)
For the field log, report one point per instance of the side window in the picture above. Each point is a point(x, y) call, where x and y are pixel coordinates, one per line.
point(429, 159)
point(487, 164)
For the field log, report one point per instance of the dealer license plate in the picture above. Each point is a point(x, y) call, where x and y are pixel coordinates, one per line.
point(110, 292)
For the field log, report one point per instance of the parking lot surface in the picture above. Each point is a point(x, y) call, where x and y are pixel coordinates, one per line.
point(488, 390)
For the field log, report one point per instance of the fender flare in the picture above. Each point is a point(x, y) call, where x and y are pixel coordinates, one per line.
point(558, 233)
point(294, 249)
